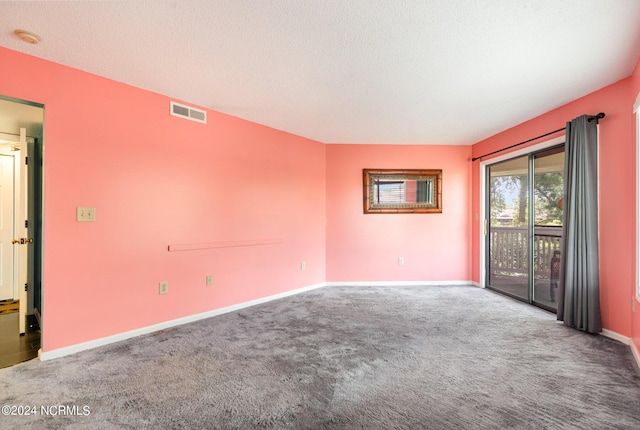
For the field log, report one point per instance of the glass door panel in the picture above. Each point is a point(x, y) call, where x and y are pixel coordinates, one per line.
point(508, 229)
point(524, 201)
point(548, 203)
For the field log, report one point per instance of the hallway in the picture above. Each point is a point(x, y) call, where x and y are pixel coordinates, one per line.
point(14, 348)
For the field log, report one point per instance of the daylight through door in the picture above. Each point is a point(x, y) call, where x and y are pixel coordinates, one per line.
point(524, 231)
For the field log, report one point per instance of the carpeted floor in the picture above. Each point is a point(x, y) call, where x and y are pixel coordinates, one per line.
point(343, 358)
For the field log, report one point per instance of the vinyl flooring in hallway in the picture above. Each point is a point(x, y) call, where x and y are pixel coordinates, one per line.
point(14, 348)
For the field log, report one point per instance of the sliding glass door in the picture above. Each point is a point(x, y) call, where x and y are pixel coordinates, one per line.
point(524, 226)
point(508, 232)
point(548, 191)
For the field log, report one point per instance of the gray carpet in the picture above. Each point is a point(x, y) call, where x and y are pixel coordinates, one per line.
point(344, 358)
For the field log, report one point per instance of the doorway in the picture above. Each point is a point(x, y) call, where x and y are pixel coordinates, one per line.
point(21, 132)
point(524, 226)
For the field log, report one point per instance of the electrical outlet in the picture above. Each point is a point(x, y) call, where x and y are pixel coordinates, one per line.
point(400, 261)
point(303, 265)
point(209, 280)
point(164, 287)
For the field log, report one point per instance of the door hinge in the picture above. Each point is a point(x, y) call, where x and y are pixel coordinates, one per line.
point(26, 287)
point(26, 223)
point(26, 161)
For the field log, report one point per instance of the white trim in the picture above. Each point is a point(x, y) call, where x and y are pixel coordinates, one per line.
point(483, 179)
point(625, 340)
point(616, 336)
point(636, 353)
point(67, 350)
point(397, 283)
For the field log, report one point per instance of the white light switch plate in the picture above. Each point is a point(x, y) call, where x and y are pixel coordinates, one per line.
point(86, 214)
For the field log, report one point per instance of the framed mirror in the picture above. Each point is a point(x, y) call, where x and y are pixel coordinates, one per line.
point(402, 191)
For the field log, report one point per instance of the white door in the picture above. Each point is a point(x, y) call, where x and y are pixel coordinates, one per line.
point(13, 233)
point(7, 207)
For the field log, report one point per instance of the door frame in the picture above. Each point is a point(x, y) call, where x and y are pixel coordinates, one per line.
point(35, 185)
point(483, 195)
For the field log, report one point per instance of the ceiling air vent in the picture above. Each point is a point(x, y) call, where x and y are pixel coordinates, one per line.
point(187, 112)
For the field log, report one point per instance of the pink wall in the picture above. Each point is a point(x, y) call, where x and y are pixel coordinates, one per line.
point(635, 85)
point(617, 191)
point(157, 180)
point(367, 247)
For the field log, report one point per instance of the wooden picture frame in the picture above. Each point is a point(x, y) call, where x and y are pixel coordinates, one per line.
point(402, 191)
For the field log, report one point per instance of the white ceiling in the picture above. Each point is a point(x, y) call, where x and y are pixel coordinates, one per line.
point(347, 71)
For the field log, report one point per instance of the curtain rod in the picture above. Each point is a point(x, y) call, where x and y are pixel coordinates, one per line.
point(589, 118)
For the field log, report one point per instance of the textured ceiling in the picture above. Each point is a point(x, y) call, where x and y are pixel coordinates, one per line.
point(338, 71)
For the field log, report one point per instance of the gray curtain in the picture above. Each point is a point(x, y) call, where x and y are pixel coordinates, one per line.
point(579, 286)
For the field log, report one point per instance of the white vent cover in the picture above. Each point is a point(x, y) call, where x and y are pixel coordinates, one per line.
point(188, 112)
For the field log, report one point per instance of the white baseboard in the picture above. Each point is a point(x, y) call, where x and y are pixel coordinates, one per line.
point(67, 350)
point(623, 339)
point(636, 353)
point(396, 283)
point(616, 336)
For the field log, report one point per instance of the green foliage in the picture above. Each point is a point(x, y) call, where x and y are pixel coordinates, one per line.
point(509, 197)
point(549, 189)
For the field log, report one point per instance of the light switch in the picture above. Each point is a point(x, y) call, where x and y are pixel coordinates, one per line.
point(86, 214)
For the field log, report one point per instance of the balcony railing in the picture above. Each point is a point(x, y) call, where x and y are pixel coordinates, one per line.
point(509, 250)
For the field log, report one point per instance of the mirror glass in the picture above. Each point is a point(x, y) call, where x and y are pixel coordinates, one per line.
point(402, 191)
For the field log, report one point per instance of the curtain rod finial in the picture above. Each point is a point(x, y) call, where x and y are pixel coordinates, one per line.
point(596, 117)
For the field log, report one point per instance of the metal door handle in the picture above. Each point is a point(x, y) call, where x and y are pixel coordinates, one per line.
point(22, 241)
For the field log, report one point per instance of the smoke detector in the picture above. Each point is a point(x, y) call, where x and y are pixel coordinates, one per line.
point(28, 37)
